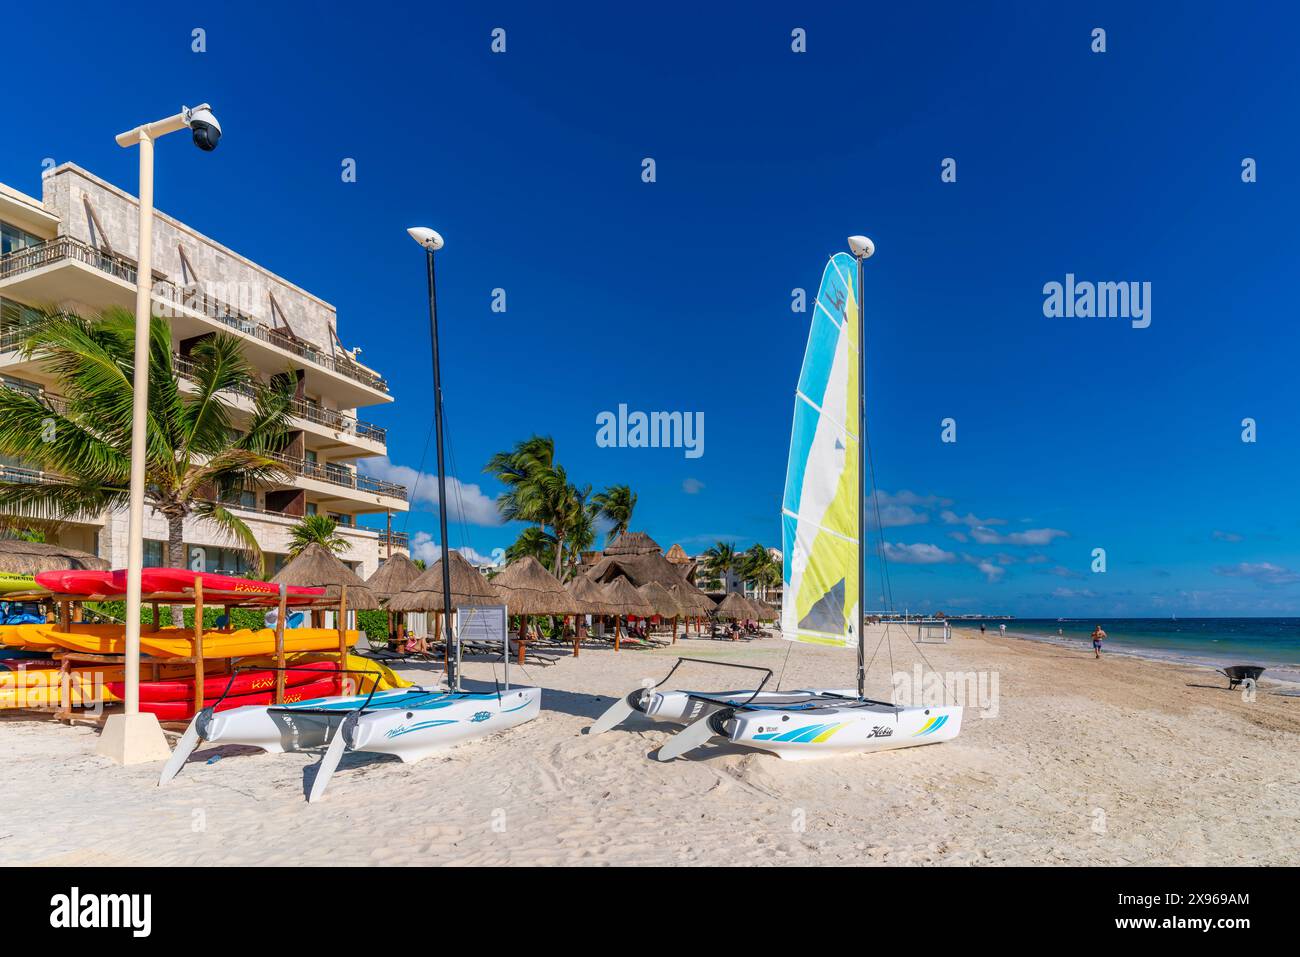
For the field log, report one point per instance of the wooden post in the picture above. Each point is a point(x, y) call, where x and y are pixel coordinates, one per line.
point(157, 624)
point(577, 634)
point(65, 616)
point(618, 625)
point(199, 697)
point(279, 645)
point(674, 629)
point(523, 637)
point(343, 635)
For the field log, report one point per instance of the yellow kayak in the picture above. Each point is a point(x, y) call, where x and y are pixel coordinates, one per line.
point(179, 643)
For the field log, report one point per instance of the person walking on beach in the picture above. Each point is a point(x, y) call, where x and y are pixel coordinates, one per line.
point(1098, 636)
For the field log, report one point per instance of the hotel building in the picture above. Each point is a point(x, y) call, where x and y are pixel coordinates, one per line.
point(75, 249)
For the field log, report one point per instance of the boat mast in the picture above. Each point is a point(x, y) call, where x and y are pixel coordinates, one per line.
point(431, 242)
point(862, 248)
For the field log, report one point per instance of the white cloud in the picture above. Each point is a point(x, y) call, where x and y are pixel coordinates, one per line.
point(692, 486)
point(918, 554)
point(895, 516)
point(1034, 536)
point(424, 547)
point(905, 497)
point(992, 573)
point(950, 517)
point(959, 537)
point(1266, 573)
point(465, 503)
point(1226, 536)
point(1068, 593)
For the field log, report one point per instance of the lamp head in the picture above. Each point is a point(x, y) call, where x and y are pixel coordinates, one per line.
point(861, 247)
point(426, 237)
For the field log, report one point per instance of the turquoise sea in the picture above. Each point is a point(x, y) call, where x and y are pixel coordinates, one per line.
point(1272, 642)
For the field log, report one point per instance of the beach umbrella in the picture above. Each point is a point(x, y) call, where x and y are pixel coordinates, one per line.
point(589, 599)
point(392, 576)
point(663, 602)
point(624, 599)
point(735, 607)
point(468, 588)
point(694, 601)
point(317, 567)
point(20, 557)
point(529, 589)
point(589, 596)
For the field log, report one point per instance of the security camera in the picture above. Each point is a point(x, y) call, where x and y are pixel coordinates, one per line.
point(861, 247)
point(204, 127)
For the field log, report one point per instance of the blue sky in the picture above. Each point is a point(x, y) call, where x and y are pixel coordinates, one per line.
point(675, 295)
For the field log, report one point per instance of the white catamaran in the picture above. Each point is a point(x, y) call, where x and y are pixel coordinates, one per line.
point(823, 531)
point(411, 723)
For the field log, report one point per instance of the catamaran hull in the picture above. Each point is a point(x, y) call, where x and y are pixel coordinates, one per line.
point(285, 728)
point(419, 732)
point(831, 732)
point(683, 707)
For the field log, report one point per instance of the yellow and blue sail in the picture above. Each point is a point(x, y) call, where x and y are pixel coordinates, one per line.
point(819, 512)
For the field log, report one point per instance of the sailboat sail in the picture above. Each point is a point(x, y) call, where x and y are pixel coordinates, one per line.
point(819, 513)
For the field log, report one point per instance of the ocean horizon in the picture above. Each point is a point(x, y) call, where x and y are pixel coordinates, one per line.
point(1210, 642)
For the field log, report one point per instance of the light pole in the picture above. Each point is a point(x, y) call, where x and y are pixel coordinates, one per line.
point(862, 249)
point(432, 242)
point(133, 737)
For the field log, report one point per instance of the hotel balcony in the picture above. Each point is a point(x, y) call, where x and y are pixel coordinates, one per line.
point(329, 430)
point(331, 487)
point(401, 541)
point(65, 269)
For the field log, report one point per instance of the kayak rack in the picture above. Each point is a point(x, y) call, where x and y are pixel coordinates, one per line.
point(66, 712)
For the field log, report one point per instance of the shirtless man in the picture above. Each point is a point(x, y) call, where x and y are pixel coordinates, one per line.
point(1098, 636)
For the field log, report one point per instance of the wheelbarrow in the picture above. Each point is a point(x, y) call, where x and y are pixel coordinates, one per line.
point(1239, 674)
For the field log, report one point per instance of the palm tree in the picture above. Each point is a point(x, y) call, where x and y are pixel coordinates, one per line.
point(532, 541)
point(538, 491)
point(319, 530)
point(758, 567)
point(195, 456)
point(719, 559)
point(615, 504)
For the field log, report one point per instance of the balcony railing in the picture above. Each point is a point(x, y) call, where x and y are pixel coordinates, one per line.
point(66, 248)
point(304, 410)
point(336, 475)
point(399, 539)
point(26, 476)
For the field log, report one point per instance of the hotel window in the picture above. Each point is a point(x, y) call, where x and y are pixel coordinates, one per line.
point(15, 314)
point(12, 239)
point(311, 508)
point(341, 519)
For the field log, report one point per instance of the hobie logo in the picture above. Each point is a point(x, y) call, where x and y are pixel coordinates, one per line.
point(76, 910)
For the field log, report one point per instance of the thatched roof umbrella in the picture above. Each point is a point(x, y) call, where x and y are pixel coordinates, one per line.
point(589, 596)
point(468, 588)
point(20, 557)
point(624, 599)
point(693, 601)
point(633, 543)
point(735, 607)
point(317, 567)
point(392, 576)
point(664, 603)
point(529, 589)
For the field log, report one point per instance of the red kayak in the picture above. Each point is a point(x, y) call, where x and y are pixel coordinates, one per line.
point(184, 710)
point(76, 582)
point(244, 683)
point(173, 583)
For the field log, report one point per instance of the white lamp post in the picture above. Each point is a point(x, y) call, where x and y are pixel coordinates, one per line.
point(132, 737)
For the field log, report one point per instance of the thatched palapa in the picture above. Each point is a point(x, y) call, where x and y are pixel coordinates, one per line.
point(623, 599)
point(660, 600)
point(468, 588)
point(317, 567)
point(393, 575)
point(529, 589)
point(20, 557)
point(735, 607)
point(589, 596)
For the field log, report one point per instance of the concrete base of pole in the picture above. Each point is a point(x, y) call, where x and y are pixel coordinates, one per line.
point(133, 739)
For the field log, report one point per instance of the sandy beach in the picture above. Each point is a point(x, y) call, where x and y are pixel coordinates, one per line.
point(1115, 762)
